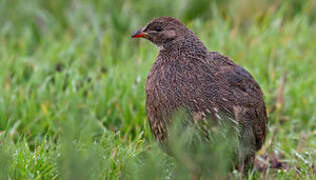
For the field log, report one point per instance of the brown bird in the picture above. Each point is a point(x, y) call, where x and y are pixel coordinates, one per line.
point(208, 84)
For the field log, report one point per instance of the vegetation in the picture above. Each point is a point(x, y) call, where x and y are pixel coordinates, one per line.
point(72, 84)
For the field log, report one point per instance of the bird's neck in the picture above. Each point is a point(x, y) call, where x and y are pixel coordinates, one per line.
point(187, 44)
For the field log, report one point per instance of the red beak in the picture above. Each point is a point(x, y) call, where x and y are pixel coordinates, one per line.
point(138, 34)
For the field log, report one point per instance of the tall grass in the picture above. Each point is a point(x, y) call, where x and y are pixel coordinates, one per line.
point(72, 82)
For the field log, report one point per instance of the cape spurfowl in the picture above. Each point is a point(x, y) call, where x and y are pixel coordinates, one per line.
point(207, 84)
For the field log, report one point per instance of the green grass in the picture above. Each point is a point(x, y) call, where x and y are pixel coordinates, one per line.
point(72, 83)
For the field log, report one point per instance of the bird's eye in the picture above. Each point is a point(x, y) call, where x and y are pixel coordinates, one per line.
point(158, 28)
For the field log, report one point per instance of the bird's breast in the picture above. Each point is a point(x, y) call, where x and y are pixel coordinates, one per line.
point(173, 85)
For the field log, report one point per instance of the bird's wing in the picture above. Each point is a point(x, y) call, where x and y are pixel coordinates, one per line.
point(244, 96)
point(239, 84)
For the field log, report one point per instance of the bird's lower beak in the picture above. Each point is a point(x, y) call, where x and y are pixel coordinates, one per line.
point(139, 33)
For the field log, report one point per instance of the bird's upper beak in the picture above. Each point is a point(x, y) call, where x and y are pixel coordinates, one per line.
point(139, 33)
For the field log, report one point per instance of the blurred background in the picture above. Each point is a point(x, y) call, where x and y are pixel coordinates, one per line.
point(72, 83)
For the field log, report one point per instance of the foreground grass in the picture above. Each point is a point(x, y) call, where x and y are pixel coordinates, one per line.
point(72, 88)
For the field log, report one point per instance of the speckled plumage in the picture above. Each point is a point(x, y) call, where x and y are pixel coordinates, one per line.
point(208, 84)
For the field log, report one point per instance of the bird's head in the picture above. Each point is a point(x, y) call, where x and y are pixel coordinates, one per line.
point(163, 30)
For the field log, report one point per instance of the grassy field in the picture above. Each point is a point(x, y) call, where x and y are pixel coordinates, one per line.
point(72, 84)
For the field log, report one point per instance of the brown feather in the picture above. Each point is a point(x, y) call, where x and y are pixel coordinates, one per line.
point(208, 84)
